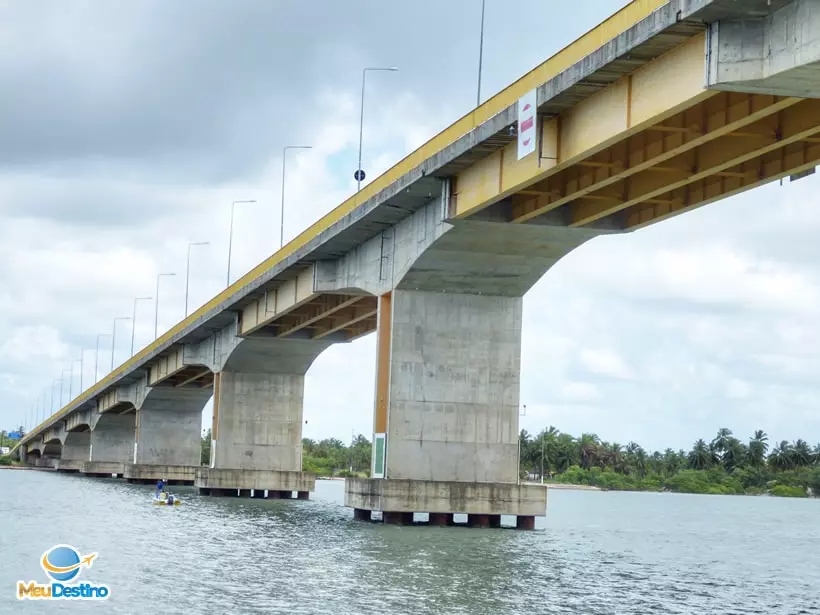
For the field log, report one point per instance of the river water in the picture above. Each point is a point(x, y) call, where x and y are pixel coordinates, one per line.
point(594, 553)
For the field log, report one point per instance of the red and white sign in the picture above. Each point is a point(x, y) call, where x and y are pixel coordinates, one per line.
point(526, 124)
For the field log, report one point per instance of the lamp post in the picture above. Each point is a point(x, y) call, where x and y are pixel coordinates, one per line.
point(134, 321)
point(61, 386)
point(97, 356)
point(156, 302)
point(230, 236)
point(359, 175)
point(114, 337)
point(480, 54)
point(53, 407)
point(188, 270)
point(282, 210)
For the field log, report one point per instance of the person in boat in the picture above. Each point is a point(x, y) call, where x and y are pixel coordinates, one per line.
point(160, 487)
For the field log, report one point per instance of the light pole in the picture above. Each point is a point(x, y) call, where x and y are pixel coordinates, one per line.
point(71, 381)
point(188, 270)
point(114, 337)
point(480, 55)
point(156, 302)
point(97, 356)
point(61, 386)
point(359, 174)
point(230, 236)
point(134, 321)
point(282, 210)
point(53, 407)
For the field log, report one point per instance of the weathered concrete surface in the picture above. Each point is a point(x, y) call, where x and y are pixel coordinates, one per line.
point(454, 386)
point(274, 480)
point(409, 496)
point(258, 405)
point(153, 473)
point(168, 426)
point(778, 53)
point(77, 446)
point(69, 465)
point(112, 438)
point(102, 467)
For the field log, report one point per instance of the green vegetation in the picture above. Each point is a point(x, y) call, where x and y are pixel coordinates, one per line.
point(329, 457)
point(6, 460)
point(723, 466)
point(205, 448)
point(332, 458)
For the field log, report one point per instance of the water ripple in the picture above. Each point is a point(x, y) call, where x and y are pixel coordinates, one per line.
point(595, 553)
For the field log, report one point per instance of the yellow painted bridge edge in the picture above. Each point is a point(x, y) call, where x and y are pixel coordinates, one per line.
point(607, 30)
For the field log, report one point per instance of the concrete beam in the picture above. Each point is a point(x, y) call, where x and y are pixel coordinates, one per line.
point(776, 53)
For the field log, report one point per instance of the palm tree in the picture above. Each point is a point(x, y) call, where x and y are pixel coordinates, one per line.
point(588, 449)
point(735, 454)
point(701, 457)
point(721, 441)
point(782, 456)
point(757, 449)
point(801, 453)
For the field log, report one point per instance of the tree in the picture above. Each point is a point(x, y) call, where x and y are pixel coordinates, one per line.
point(758, 448)
point(205, 448)
point(701, 457)
point(801, 453)
point(734, 454)
point(782, 457)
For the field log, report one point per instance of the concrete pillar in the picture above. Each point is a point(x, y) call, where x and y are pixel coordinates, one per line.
point(257, 421)
point(112, 438)
point(77, 445)
point(447, 404)
point(169, 426)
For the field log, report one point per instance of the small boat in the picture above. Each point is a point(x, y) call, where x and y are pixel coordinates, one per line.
point(166, 499)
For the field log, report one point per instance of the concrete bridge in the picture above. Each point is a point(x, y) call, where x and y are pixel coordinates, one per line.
point(664, 107)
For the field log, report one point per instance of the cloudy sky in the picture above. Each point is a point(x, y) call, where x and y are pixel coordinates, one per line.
point(126, 130)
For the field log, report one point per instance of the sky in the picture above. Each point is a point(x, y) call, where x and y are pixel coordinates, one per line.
point(127, 129)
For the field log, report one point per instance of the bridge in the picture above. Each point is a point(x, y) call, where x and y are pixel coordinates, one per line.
point(664, 107)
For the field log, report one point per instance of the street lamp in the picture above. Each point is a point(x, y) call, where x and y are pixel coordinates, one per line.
point(62, 376)
point(114, 337)
point(97, 356)
point(134, 321)
point(156, 302)
point(282, 210)
point(53, 408)
point(359, 174)
point(188, 270)
point(480, 55)
point(230, 237)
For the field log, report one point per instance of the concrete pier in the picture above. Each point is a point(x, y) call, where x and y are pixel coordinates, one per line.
point(150, 474)
point(211, 480)
point(257, 422)
point(167, 427)
point(112, 438)
point(103, 469)
point(446, 418)
point(69, 465)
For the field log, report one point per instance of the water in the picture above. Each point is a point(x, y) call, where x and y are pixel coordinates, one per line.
point(594, 553)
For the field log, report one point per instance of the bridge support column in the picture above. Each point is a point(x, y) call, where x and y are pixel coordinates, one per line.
point(446, 417)
point(167, 442)
point(111, 445)
point(257, 423)
point(76, 449)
